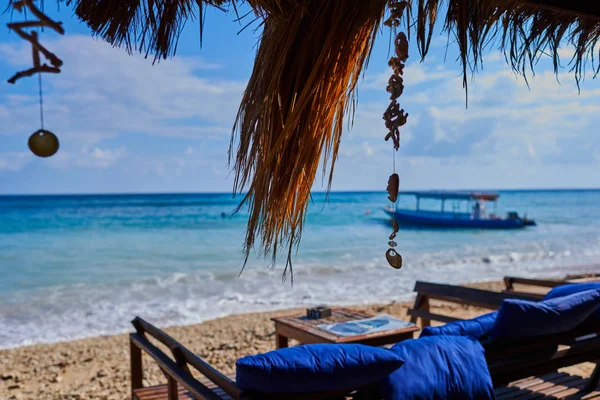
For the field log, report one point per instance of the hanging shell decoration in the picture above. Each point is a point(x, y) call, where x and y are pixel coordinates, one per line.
point(42, 143)
point(393, 187)
point(394, 116)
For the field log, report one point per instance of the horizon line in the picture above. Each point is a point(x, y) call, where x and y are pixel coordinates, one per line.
point(573, 189)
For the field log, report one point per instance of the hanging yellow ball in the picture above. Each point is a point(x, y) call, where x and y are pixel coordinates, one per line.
point(43, 143)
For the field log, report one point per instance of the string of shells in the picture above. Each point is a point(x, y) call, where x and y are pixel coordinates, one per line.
point(395, 117)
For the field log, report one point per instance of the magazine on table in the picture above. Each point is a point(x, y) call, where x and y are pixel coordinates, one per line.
point(380, 323)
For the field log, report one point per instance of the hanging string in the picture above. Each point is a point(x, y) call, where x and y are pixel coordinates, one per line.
point(41, 100)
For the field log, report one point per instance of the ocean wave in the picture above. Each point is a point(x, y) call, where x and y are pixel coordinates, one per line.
point(70, 272)
point(79, 311)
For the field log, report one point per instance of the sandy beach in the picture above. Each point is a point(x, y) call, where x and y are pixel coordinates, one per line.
point(98, 368)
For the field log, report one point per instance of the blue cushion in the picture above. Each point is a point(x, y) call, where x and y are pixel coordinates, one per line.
point(316, 367)
point(571, 288)
point(522, 318)
point(439, 367)
point(476, 328)
point(593, 321)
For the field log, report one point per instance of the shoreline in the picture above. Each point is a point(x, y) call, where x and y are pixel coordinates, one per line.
point(98, 367)
point(77, 328)
point(491, 284)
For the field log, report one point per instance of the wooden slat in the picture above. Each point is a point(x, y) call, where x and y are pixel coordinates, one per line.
point(169, 367)
point(526, 383)
point(552, 386)
point(430, 316)
point(467, 296)
point(161, 393)
point(587, 277)
point(537, 296)
point(509, 282)
point(505, 371)
point(593, 395)
point(203, 367)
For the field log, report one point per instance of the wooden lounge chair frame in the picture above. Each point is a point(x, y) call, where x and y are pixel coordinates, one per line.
point(507, 362)
point(427, 291)
point(511, 281)
point(510, 361)
point(178, 371)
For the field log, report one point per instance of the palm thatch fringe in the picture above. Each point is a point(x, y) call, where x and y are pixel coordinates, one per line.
point(147, 26)
point(292, 113)
point(524, 30)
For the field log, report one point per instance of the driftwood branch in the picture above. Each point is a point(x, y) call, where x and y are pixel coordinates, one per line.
point(36, 47)
point(43, 18)
point(32, 71)
point(33, 39)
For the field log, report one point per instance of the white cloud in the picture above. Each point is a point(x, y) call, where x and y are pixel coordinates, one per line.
point(506, 120)
point(414, 75)
point(14, 161)
point(104, 94)
point(369, 151)
point(103, 89)
point(105, 158)
point(94, 157)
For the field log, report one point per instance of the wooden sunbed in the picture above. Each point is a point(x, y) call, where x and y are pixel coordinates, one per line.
point(427, 291)
point(180, 367)
point(190, 377)
point(539, 287)
point(509, 361)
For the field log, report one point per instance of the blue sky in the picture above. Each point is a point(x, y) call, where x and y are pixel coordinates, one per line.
point(128, 126)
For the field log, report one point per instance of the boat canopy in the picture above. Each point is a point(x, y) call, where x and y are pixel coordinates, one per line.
point(447, 195)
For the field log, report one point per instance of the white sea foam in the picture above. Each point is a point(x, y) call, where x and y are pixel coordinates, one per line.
point(78, 311)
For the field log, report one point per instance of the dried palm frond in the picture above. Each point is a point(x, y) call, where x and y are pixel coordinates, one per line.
point(524, 29)
point(148, 26)
point(303, 84)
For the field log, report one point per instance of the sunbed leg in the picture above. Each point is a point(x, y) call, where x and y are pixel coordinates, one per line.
point(173, 392)
point(593, 382)
point(508, 283)
point(421, 303)
point(136, 368)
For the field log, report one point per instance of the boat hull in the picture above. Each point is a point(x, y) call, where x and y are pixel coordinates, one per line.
point(454, 220)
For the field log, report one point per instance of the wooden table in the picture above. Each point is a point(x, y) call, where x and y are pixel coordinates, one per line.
point(306, 331)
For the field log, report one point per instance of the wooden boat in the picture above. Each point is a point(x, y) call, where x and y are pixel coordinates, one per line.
point(474, 215)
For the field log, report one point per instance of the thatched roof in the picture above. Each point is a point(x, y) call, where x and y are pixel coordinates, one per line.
point(310, 58)
point(526, 29)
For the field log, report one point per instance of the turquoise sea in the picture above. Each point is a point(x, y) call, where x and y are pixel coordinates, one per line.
point(81, 265)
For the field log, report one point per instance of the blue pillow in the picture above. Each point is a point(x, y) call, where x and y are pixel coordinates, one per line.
point(477, 328)
point(439, 367)
point(593, 321)
point(522, 318)
point(571, 288)
point(315, 368)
